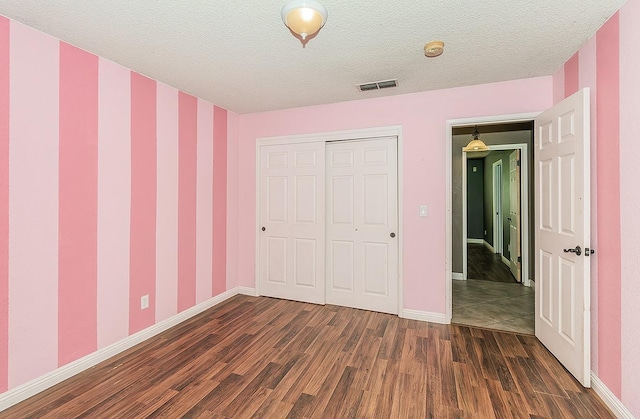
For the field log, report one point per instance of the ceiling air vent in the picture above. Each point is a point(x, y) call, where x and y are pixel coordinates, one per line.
point(376, 85)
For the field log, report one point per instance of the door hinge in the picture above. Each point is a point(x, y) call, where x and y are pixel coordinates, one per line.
point(518, 163)
point(519, 258)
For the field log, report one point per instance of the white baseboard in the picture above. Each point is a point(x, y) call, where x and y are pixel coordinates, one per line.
point(247, 291)
point(424, 316)
point(475, 241)
point(458, 276)
point(488, 246)
point(505, 261)
point(35, 386)
point(609, 398)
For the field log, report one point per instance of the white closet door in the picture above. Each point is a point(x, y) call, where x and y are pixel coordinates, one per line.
point(292, 222)
point(361, 234)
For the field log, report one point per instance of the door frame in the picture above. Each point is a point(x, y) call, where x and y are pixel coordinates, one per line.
point(498, 228)
point(450, 124)
point(343, 135)
point(522, 214)
point(524, 209)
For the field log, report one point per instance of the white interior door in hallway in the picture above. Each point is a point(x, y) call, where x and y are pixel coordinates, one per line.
point(514, 215)
point(362, 223)
point(292, 222)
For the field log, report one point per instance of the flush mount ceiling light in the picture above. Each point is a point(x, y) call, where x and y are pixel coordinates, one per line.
point(476, 144)
point(304, 17)
point(434, 49)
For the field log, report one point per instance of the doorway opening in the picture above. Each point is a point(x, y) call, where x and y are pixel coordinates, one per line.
point(491, 241)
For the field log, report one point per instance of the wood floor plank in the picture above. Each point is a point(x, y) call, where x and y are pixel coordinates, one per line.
point(270, 358)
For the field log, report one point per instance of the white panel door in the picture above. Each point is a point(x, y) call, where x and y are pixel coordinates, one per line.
point(362, 223)
point(563, 283)
point(292, 222)
point(514, 214)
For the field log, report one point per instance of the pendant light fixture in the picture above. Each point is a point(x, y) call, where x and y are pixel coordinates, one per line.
point(304, 17)
point(476, 144)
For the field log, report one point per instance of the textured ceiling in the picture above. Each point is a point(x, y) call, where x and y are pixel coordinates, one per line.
point(239, 55)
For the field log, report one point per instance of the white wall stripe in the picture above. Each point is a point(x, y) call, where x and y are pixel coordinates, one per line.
point(114, 201)
point(587, 78)
point(558, 85)
point(204, 203)
point(630, 202)
point(33, 224)
point(167, 207)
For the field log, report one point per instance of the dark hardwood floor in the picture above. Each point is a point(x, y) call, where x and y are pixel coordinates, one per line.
point(487, 266)
point(269, 358)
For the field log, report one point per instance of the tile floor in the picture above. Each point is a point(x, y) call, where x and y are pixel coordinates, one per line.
point(492, 299)
point(494, 305)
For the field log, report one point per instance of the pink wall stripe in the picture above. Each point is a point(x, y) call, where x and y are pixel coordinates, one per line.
point(4, 202)
point(187, 175)
point(167, 222)
point(33, 225)
point(571, 75)
point(204, 203)
point(143, 201)
point(608, 119)
point(630, 202)
point(78, 204)
point(114, 201)
point(219, 200)
point(587, 76)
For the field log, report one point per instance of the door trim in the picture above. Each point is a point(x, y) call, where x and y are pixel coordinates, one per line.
point(450, 123)
point(498, 228)
point(344, 135)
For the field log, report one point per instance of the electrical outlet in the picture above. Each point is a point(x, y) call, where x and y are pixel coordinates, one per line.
point(144, 302)
point(485, 232)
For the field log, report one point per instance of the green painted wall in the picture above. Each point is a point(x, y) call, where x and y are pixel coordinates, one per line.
point(475, 199)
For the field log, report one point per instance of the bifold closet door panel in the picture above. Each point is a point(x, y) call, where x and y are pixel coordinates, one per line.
point(292, 222)
point(362, 224)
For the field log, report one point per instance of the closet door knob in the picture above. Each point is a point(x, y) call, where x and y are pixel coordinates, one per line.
point(392, 235)
point(264, 229)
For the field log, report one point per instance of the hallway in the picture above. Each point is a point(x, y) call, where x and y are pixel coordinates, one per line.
point(492, 298)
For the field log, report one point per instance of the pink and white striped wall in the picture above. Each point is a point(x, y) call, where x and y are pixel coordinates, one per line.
point(609, 65)
point(112, 186)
